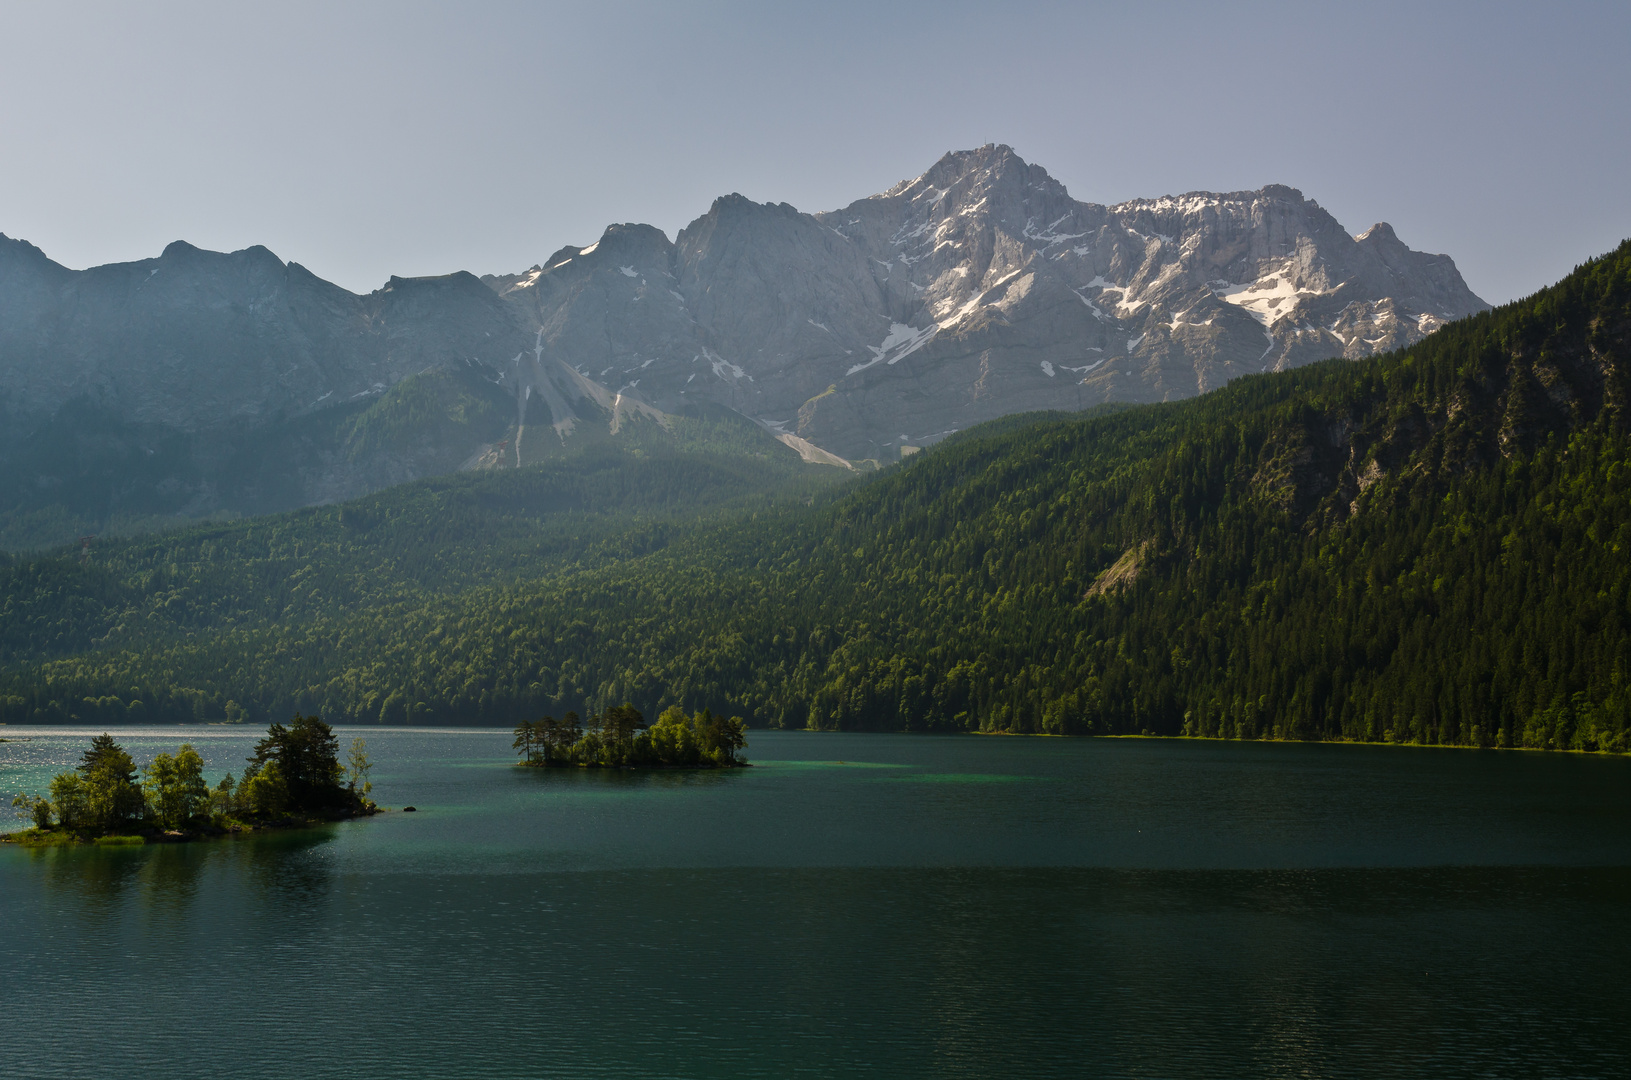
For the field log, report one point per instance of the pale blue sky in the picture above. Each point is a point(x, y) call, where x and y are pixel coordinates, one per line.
point(370, 139)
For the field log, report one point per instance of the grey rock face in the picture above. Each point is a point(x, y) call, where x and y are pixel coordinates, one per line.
point(977, 289)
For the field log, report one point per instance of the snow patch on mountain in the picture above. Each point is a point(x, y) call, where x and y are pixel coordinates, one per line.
point(903, 341)
point(723, 367)
point(1268, 299)
point(528, 280)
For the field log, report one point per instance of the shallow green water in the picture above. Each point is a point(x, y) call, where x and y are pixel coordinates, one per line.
point(889, 906)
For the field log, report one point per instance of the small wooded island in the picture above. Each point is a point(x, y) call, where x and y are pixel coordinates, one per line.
point(620, 739)
point(293, 779)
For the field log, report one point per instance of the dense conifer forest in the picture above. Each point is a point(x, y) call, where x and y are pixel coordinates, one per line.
point(1430, 546)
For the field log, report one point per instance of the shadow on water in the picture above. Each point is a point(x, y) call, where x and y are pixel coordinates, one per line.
point(285, 866)
point(99, 877)
point(289, 868)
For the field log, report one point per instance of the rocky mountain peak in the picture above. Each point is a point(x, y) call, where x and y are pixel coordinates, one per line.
point(26, 276)
point(993, 166)
point(980, 287)
point(630, 239)
point(1378, 234)
point(729, 217)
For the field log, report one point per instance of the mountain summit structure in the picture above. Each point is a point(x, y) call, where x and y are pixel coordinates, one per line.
point(978, 289)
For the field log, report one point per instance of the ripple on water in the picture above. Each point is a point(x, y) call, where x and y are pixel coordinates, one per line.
point(935, 907)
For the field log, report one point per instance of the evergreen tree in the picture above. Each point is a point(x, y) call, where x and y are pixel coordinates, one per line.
point(112, 799)
point(525, 734)
point(103, 748)
point(548, 733)
point(307, 756)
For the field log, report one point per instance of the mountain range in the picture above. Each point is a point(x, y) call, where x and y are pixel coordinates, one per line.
point(1427, 546)
point(203, 383)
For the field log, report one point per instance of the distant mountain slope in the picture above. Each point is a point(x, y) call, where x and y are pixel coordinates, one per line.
point(978, 289)
point(196, 340)
point(603, 500)
point(1429, 546)
point(141, 395)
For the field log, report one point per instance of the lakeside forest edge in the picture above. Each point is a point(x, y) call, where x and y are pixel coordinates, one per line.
point(1429, 546)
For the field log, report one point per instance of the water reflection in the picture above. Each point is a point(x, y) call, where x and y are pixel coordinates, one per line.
point(98, 881)
point(98, 877)
point(169, 877)
point(1221, 911)
point(288, 867)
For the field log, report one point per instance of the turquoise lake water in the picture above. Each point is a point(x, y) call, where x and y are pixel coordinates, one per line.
point(852, 906)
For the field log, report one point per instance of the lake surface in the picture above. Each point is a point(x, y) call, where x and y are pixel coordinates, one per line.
point(853, 906)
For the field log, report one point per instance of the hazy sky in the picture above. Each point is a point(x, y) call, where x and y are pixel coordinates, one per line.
point(365, 140)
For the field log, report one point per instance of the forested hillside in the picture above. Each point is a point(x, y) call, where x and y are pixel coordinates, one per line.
point(1429, 546)
point(602, 502)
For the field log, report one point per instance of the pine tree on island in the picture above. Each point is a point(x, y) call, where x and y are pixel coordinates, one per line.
point(294, 778)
